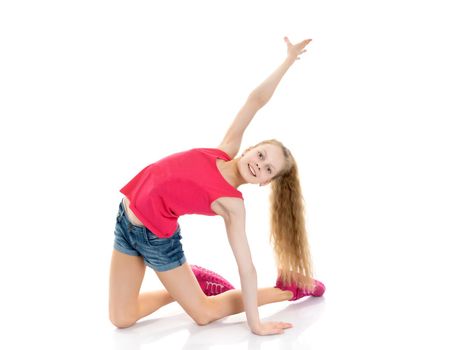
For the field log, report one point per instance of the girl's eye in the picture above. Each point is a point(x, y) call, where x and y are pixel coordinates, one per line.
point(270, 171)
point(260, 154)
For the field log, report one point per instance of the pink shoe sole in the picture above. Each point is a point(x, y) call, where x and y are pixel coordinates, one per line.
point(210, 282)
point(300, 292)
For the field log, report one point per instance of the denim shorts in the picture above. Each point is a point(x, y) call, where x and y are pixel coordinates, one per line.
point(161, 254)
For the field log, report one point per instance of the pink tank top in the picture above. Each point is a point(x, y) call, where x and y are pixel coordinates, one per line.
point(182, 183)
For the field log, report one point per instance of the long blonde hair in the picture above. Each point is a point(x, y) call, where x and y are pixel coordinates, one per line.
point(288, 235)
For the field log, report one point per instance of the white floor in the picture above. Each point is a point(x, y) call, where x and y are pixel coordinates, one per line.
point(378, 296)
point(363, 312)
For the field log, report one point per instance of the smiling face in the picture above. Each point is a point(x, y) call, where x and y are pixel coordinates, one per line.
point(260, 164)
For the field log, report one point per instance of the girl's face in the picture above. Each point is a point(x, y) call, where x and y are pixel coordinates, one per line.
point(260, 164)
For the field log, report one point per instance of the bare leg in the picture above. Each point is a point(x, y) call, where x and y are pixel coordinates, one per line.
point(127, 304)
point(231, 300)
point(148, 302)
point(181, 283)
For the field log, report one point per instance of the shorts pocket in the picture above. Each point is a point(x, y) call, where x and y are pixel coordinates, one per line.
point(155, 241)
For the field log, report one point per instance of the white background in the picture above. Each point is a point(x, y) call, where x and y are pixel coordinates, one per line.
point(374, 113)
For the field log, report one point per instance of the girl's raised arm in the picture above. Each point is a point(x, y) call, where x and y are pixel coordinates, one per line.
point(258, 98)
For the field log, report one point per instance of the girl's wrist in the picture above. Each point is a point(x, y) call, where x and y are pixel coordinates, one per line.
point(291, 59)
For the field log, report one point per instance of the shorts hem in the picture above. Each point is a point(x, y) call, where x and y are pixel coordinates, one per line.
point(125, 251)
point(169, 266)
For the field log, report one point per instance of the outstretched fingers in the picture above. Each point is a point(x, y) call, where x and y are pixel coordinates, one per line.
point(297, 49)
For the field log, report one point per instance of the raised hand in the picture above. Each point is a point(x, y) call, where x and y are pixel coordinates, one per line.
point(297, 49)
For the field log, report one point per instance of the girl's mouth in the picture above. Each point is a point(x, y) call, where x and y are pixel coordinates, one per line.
point(251, 170)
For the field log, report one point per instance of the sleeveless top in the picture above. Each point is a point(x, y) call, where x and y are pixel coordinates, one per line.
point(182, 183)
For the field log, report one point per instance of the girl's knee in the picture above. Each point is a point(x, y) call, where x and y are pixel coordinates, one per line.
point(121, 320)
point(203, 320)
point(206, 314)
point(122, 323)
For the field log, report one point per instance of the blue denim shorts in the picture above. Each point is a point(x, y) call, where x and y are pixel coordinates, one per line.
point(161, 254)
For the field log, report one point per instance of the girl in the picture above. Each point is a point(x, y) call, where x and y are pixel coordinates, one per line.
point(205, 181)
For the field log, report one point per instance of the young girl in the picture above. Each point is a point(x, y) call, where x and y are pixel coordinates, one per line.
point(205, 181)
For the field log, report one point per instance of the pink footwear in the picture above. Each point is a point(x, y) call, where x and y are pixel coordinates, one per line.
point(210, 282)
point(300, 292)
